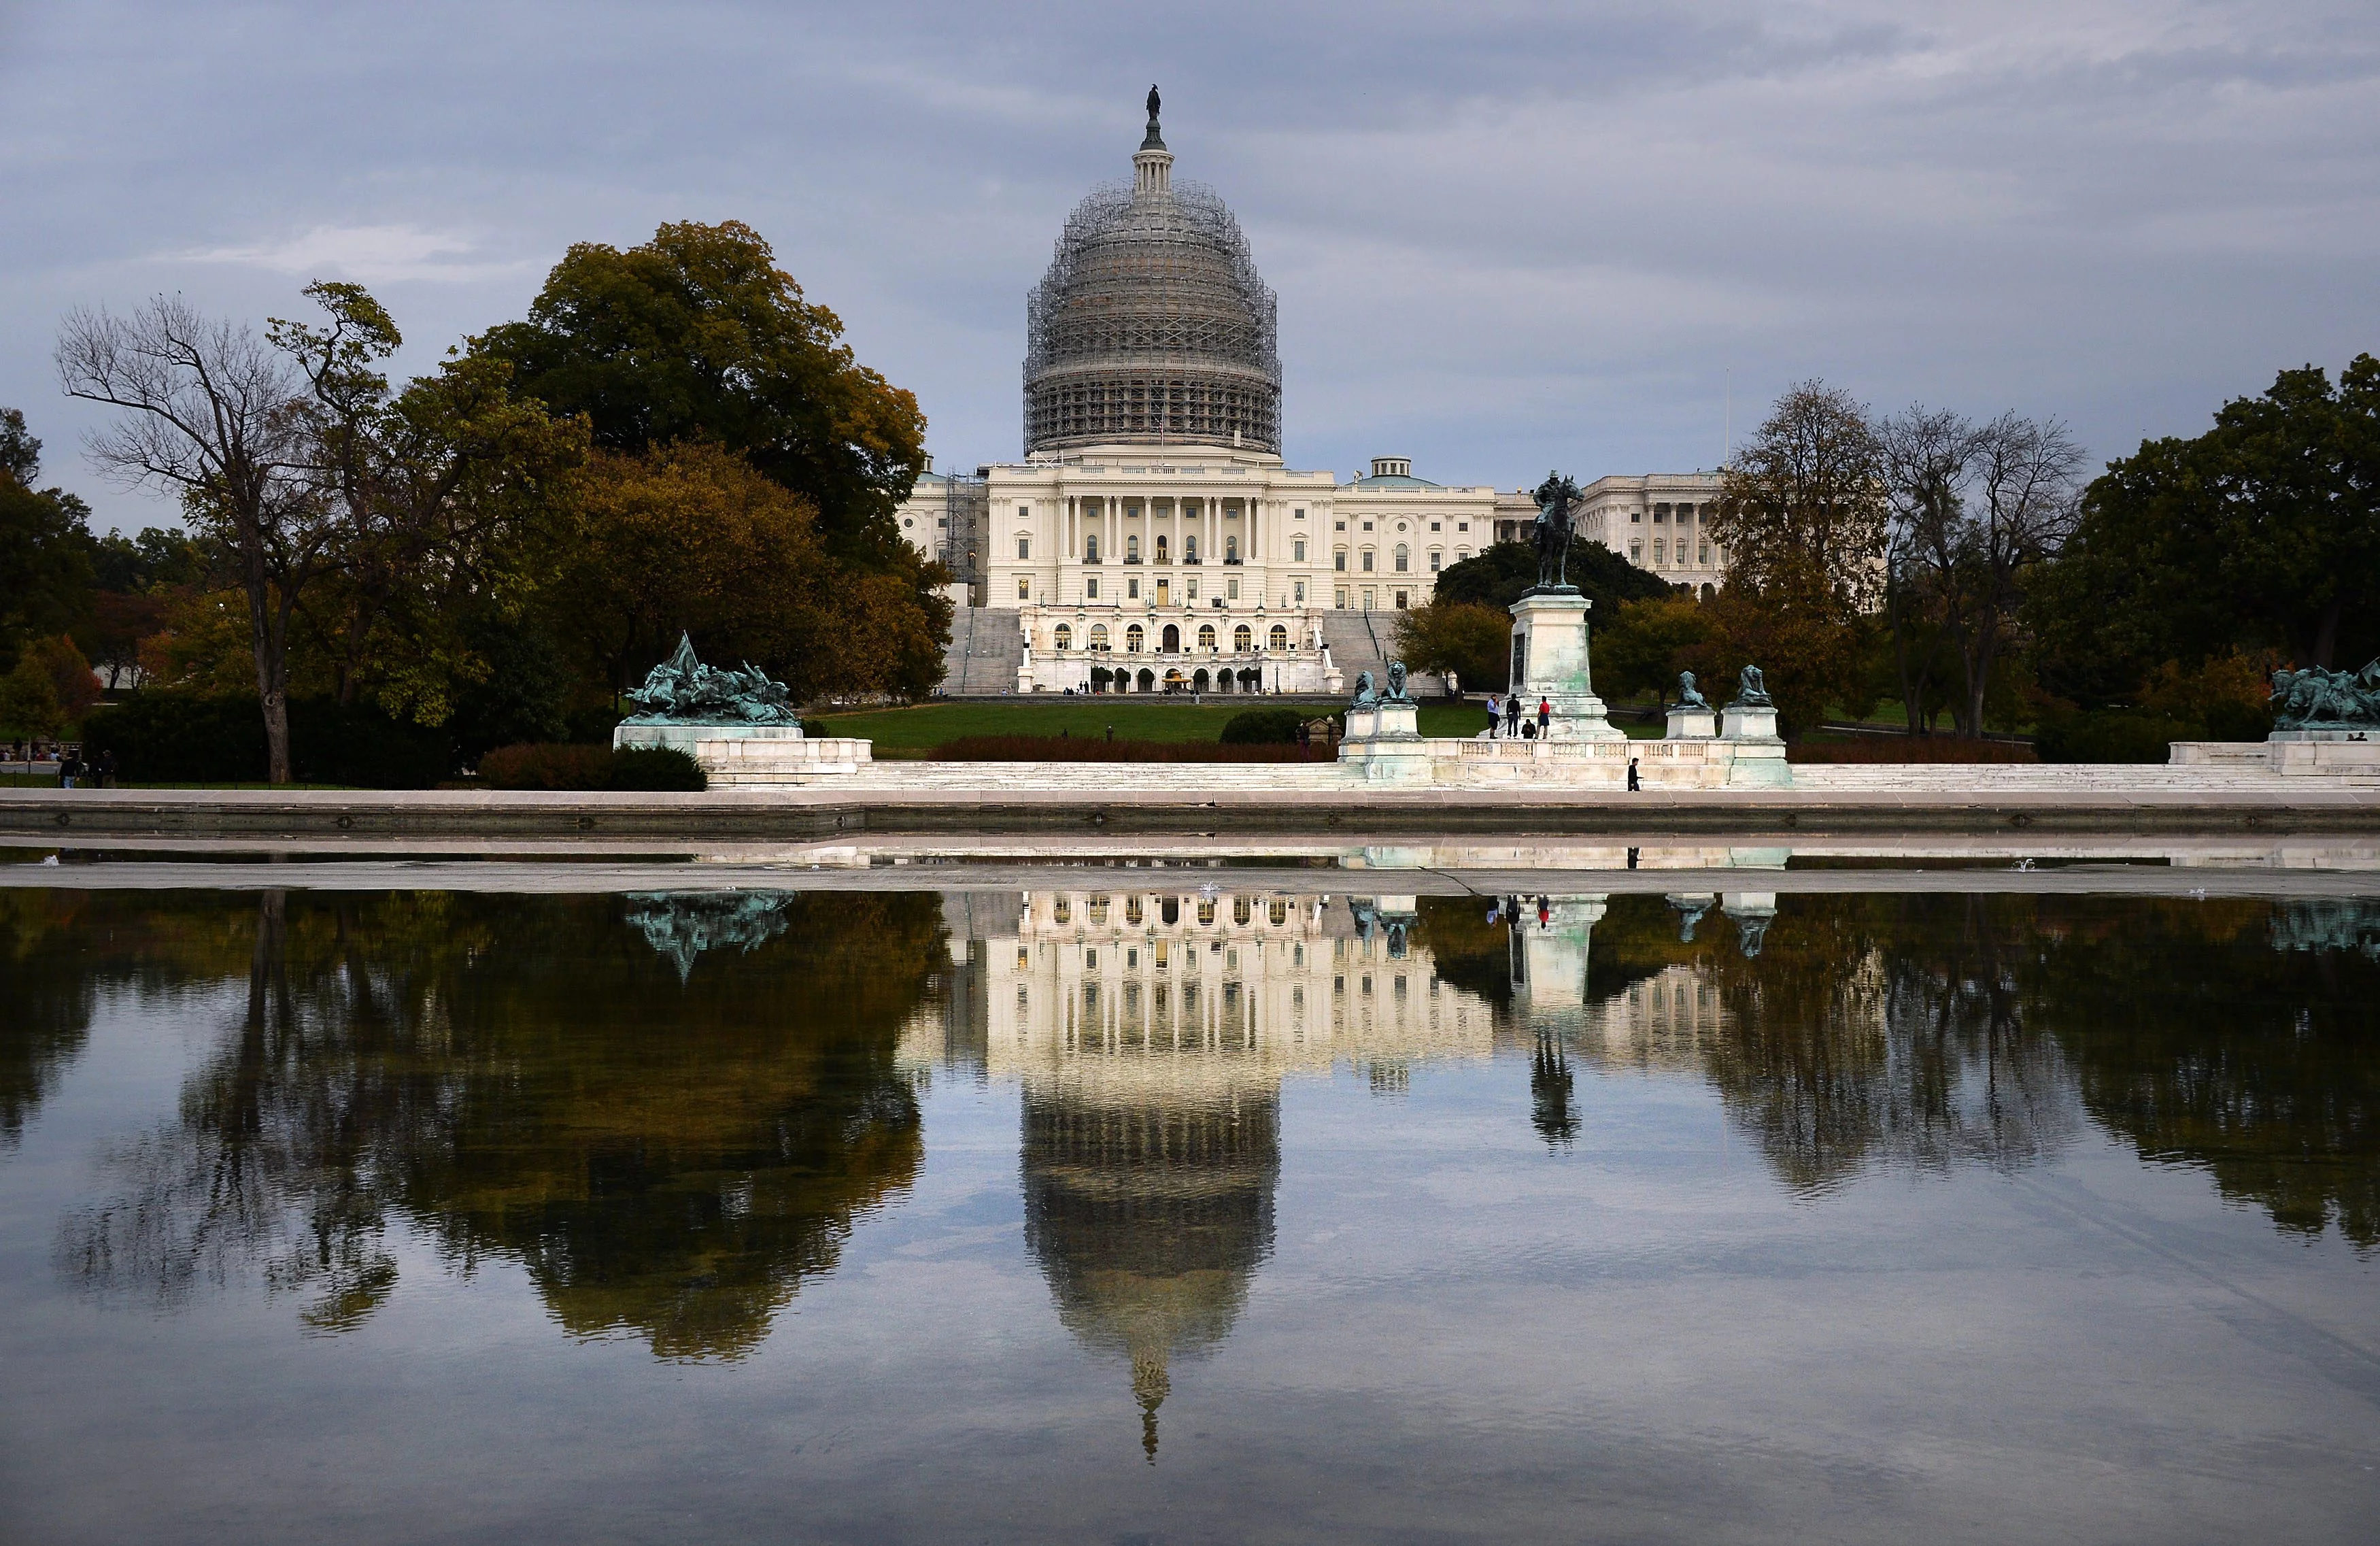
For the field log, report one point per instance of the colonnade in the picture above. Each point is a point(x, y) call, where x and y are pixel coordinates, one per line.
point(1105, 517)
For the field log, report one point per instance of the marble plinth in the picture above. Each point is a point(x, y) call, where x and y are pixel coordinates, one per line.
point(1550, 665)
point(1690, 723)
point(755, 754)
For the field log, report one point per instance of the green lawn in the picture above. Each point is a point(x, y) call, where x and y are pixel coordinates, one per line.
point(912, 731)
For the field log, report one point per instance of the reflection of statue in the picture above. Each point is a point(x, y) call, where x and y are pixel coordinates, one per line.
point(1751, 692)
point(1558, 499)
point(1690, 911)
point(1687, 697)
point(2315, 699)
point(1367, 695)
point(682, 690)
point(682, 925)
point(2325, 925)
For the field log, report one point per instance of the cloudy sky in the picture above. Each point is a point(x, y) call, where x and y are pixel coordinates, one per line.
point(1505, 235)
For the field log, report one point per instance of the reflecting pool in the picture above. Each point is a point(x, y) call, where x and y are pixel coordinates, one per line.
point(1153, 1208)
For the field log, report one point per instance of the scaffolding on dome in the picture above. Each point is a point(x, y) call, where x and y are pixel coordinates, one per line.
point(1152, 325)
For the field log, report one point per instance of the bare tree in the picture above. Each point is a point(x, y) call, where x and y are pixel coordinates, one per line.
point(1801, 513)
point(1974, 507)
point(212, 414)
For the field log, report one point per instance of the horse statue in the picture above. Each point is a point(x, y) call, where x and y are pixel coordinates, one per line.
point(1558, 501)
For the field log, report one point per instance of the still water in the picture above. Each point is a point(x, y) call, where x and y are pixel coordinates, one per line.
point(1139, 1214)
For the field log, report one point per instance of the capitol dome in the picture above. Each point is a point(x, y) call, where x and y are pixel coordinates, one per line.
point(1152, 327)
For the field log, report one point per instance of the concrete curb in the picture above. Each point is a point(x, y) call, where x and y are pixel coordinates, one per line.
point(816, 812)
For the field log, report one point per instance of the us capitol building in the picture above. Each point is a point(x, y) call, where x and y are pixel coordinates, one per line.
point(1153, 538)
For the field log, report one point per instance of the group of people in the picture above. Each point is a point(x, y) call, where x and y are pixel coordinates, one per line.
point(1508, 717)
point(75, 769)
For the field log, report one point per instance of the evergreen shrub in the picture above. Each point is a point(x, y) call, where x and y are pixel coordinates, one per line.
point(163, 736)
point(551, 765)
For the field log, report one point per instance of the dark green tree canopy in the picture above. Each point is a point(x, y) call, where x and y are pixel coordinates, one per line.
point(698, 335)
point(1497, 576)
point(45, 559)
point(2263, 532)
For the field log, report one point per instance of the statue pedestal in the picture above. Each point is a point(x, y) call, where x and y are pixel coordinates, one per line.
point(1688, 723)
point(1750, 725)
point(762, 754)
point(1384, 743)
point(1549, 664)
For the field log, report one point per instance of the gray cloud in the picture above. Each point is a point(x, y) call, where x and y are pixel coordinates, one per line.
point(1505, 235)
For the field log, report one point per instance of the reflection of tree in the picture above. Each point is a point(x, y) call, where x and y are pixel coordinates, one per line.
point(523, 1076)
point(1888, 1029)
point(2231, 1035)
point(1149, 1218)
point(60, 950)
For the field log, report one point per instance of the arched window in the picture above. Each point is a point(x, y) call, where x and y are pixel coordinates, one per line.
point(1278, 639)
point(1098, 909)
point(1132, 548)
point(1161, 547)
point(1091, 548)
point(1276, 913)
point(1099, 636)
point(1132, 912)
point(1207, 636)
point(1063, 636)
point(1062, 911)
point(1147, 680)
point(1244, 639)
point(1133, 640)
point(1231, 550)
point(1171, 639)
point(1403, 561)
point(1206, 912)
point(1189, 548)
point(1198, 680)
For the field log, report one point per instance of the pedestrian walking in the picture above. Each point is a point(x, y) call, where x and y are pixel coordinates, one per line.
point(1545, 716)
point(1634, 783)
point(69, 769)
point(106, 770)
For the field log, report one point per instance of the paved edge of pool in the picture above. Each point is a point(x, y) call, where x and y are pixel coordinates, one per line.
point(808, 812)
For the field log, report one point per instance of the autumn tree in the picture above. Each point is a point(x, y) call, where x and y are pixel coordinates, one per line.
point(45, 571)
point(1471, 640)
point(1802, 517)
point(1643, 647)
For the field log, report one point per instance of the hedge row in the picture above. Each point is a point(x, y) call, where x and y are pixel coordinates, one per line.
point(176, 737)
point(554, 766)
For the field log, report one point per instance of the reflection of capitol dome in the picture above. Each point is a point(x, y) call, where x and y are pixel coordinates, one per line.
point(1152, 325)
point(1150, 1221)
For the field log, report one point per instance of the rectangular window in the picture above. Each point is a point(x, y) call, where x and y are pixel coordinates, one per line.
point(1091, 588)
point(1132, 589)
point(1338, 560)
point(1193, 590)
point(1462, 526)
point(1023, 549)
point(1298, 515)
point(1636, 553)
point(1340, 598)
point(1435, 526)
point(1023, 589)
point(943, 521)
point(1705, 555)
point(1371, 600)
point(1368, 526)
point(1659, 550)
point(1636, 518)
point(1401, 601)
point(1297, 550)
point(1685, 514)
point(1231, 590)
point(1367, 561)
point(1435, 558)
point(1299, 592)
point(1339, 526)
